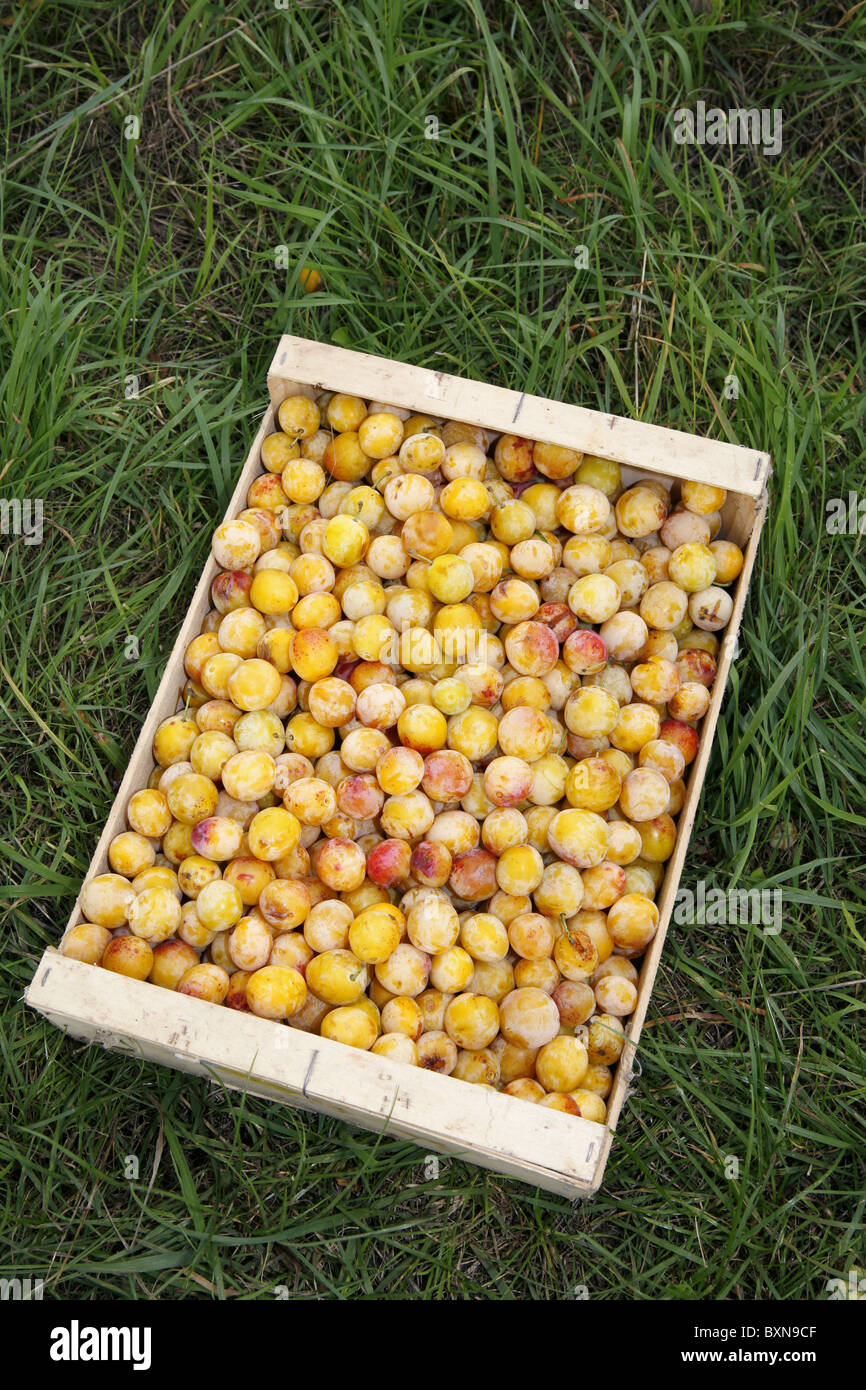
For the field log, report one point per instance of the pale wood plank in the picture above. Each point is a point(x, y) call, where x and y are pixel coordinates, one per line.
point(323, 366)
point(555, 1151)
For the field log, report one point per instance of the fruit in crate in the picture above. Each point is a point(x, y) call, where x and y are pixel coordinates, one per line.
point(422, 791)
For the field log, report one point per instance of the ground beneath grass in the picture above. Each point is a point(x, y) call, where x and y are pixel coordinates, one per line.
point(492, 190)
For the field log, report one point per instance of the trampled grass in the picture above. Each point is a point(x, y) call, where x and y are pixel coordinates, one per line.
point(270, 139)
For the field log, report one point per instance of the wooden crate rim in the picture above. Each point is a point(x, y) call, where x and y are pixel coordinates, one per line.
point(635, 443)
point(245, 1052)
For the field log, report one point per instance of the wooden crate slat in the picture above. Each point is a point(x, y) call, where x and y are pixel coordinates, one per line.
point(322, 366)
point(304, 1069)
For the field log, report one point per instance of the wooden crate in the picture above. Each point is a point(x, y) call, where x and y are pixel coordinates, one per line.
point(543, 1147)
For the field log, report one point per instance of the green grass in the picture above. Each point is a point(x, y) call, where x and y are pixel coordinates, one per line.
point(156, 258)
